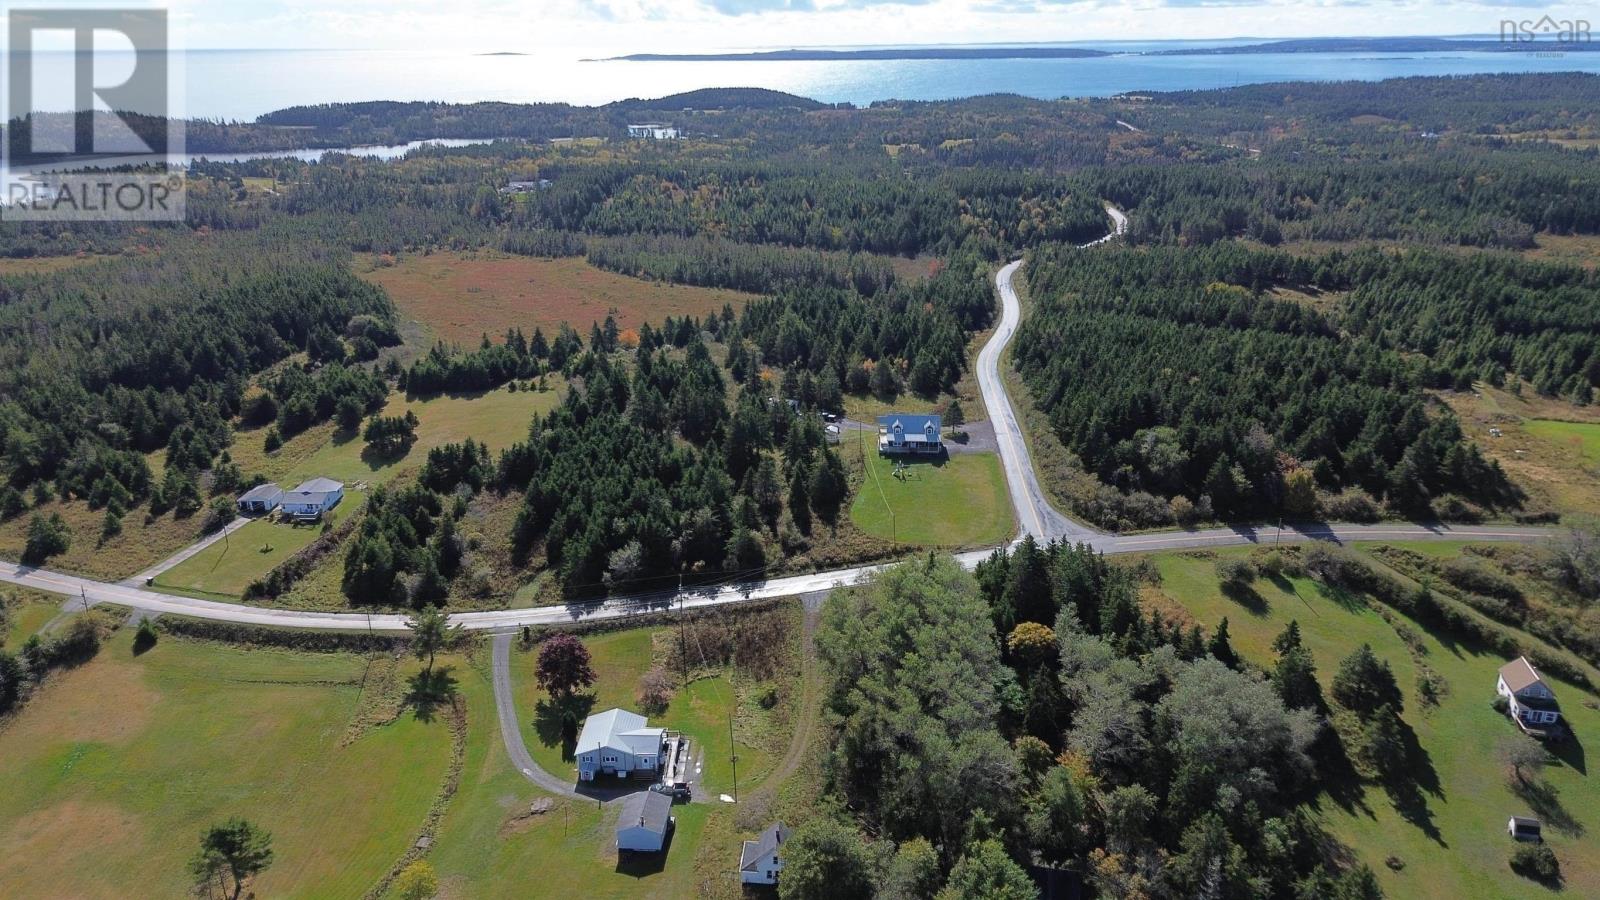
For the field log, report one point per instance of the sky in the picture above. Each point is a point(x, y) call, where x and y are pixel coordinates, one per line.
point(614, 27)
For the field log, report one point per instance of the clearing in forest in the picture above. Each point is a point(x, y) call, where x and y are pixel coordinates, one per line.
point(462, 296)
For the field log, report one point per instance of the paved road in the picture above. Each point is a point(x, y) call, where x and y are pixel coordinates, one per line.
point(505, 620)
point(1034, 511)
point(187, 552)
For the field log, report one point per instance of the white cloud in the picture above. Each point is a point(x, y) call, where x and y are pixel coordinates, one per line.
point(608, 27)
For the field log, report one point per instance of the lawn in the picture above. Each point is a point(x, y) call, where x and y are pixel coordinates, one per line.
point(128, 758)
point(701, 711)
point(957, 502)
point(227, 567)
point(1582, 438)
point(26, 614)
point(462, 296)
point(1456, 846)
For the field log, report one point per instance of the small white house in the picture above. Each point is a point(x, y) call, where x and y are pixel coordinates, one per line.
point(1530, 701)
point(310, 499)
point(759, 861)
point(259, 500)
point(646, 818)
point(618, 742)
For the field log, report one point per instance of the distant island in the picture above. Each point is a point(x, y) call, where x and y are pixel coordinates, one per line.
point(1305, 45)
point(885, 53)
point(1379, 45)
point(501, 53)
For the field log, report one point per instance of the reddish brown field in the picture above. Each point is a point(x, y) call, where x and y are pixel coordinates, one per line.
point(461, 296)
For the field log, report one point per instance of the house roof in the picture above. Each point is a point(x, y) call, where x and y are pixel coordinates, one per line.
point(909, 423)
point(1519, 674)
point(261, 492)
point(1524, 822)
point(649, 810)
point(318, 486)
point(619, 730)
point(757, 850)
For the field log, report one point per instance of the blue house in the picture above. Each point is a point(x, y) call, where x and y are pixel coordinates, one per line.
point(312, 498)
point(902, 434)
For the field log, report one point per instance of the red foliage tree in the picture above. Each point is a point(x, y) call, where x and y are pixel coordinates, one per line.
point(564, 666)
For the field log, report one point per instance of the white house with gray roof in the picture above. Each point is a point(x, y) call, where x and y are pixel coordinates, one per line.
point(760, 860)
point(618, 742)
point(644, 822)
point(311, 498)
point(1529, 700)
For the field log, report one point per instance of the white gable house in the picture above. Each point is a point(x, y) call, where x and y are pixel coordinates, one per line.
point(618, 742)
point(1529, 700)
point(903, 434)
point(759, 860)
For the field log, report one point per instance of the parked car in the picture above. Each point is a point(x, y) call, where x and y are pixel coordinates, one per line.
point(679, 791)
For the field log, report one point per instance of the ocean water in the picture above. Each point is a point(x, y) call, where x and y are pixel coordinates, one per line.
point(243, 84)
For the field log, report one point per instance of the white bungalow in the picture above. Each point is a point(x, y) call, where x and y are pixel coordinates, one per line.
point(310, 499)
point(618, 742)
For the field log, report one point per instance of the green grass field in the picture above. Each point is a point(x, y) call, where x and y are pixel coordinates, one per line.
point(1457, 847)
point(26, 615)
point(116, 767)
point(959, 502)
point(701, 710)
point(1581, 437)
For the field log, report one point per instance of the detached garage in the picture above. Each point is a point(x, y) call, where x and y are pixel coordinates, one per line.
point(646, 818)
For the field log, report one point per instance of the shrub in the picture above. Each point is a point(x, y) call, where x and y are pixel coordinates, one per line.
point(1479, 578)
point(1354, 505)
point(145, 637)
point(1235, 573)
point(1536, 861)
point(655, 690)
point(46, 538)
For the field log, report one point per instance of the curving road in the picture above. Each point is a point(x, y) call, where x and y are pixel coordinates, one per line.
point(1034, 511)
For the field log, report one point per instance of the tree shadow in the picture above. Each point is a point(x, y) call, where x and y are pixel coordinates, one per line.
point(1544, 799)
point(376, 459)
point(1340, 780)
point(1344, 598)
point(556, 721)
point(1409, 789)
point(429, 690)
point(1246, 596)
